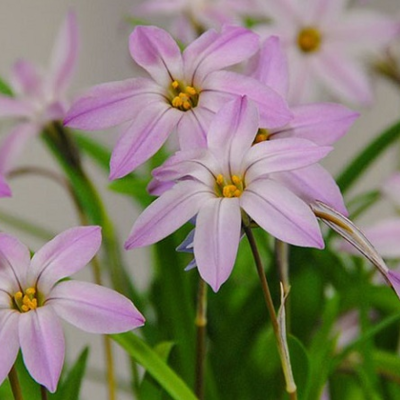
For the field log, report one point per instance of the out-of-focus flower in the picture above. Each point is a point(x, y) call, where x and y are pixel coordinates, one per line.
point(227, 179)
point(190, 18)
point(322, 123)
point(385, 234)
point(183, 94)
point(39, 96)
point(32, 297)
point(326, 44)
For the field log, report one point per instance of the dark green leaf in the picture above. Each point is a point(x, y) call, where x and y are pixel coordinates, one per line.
point(5, 88)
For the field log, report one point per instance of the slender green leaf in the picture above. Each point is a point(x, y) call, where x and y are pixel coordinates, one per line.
point(71, 385)
point(367, 156)
point(154, 365)
point(5, 88)
point(150, 389)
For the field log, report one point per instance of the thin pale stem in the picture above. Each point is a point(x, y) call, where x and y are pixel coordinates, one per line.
point(269, 303)
point(43, 392)
point(201, 326)
point(110, 370)
point(14, 383)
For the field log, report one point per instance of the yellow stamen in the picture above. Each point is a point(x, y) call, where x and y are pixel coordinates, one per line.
point(30, 291)
point(309, 39)
point(186, 105)
point(220, 179)
point(191, 91)
point(18, 296)
point(26, 301)
point(175, 84)
point(177, 102)
point(24, 308)
point(236, 180)
point(262, 136)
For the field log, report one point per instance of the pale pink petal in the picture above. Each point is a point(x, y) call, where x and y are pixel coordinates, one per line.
point(94, 308)
point(26, 79)
point(272, 66)
point(284, 11)
point(213, 51)
point(232, 132)
point(5, 190)
point(343, 76)
point(14, 144)
point(113, 103)
point(281, 213)
point(273, 109)
point(385, 237)
point(157, 52)
point(322, 123)
point(14, 263)
point(65, 54)
point(15, 108)
point(64, 255)
point(313, 183)
point(168, 213)
point(326, 10)
point(42, 345)
point(394, 279)
point(281, 155)
point(157, 188)
point(143, 138)
point(9, 343)
point(193, 127)
point(367, 29)
point(391, 188)
point(216, 239)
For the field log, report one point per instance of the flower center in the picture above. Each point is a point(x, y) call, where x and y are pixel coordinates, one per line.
point(229, 188)
point(262, 136)
point(26, 301)
point(184, 97)
point(309, 39)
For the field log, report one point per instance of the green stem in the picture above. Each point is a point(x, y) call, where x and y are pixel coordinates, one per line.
point(285, 362)
point(43, 392)
point(14, 383)
point(201, 326)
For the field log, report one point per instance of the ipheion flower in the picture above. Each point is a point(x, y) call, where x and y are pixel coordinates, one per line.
point(229, 179)
point(32, 298)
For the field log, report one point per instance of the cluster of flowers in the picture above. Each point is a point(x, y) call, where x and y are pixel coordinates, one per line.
point(249, 147)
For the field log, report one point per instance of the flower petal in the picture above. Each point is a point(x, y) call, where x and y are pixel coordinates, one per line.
point(343, 76)
point(14, 263)
point(14, 144)
point(42, 345)
point(322, 123)
point(168, 213)
point(143, 138)
point(213, 51)
point(157, 52)
point(272, 66)
point(391, 188)
point(216, 239)
point(64, 255)
point(273, 109)
point(65, 54)
point(233, 131)
point(281, 155)
point(9, 343)
point(112, 103)
point(26, 79)
point(5, 190)
point(94, 308)
point(394, 279)
point(10, 107)
point(281, 213)
point(313, 183)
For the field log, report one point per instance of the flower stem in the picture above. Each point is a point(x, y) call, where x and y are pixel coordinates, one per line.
point(285, 361)
point(201, 324)
point(282, 261)
point(43, 392)
point(15, 386)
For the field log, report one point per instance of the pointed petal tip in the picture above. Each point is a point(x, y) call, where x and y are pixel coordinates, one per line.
point(394, 279)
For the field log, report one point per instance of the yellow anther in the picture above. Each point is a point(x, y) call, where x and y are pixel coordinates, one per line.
point(190, 90)
point(177, 102)
point(236, 180)
point(220, 179)
point(229, 190)
point(175, 84)
point(183, 96)
point(24, 308)
point(186, 105)
point(237, 193)
point(309, 39)
point(18, 296)
point(30, 291)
